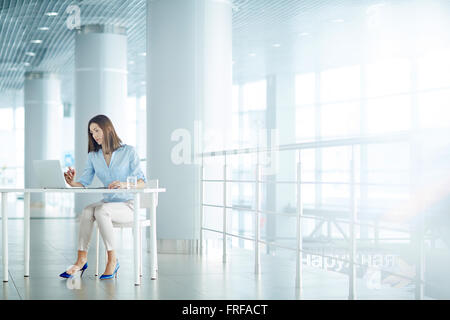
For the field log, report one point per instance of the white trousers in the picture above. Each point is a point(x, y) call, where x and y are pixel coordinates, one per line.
point(105, 213)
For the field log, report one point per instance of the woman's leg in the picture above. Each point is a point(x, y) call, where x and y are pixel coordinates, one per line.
point(105, 214)
point(86, 225)
point(84, 236)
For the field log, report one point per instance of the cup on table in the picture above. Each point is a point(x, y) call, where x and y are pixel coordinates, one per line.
point(131, 182)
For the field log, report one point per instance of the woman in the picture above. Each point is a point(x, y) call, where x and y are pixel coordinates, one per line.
point(112, 162)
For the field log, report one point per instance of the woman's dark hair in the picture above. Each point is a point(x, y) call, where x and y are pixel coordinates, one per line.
point(111, 141)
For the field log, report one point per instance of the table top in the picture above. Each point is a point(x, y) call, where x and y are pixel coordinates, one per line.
point(84, 190)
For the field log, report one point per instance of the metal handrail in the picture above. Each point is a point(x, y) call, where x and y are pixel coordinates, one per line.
point(293, 215)
point(348, 142)
point(273, 244)
point(368, 139)
point(307, 182)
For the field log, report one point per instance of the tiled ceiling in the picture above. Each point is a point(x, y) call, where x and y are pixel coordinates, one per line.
point(267, 34)
point(22, 21)
point(294, 36)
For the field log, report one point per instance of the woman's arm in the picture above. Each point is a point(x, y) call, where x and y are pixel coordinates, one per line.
point(70, 178)
point(141, 184)
point(76, 184)
point(123, 185)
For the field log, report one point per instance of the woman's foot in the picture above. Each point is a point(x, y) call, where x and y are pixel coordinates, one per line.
point(76, 266)
point(110, 267)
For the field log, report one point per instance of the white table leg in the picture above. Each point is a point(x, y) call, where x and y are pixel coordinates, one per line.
point(5, 236)
point(26, 221)
point(137, 278)
point(97, 247)
point(154, 249)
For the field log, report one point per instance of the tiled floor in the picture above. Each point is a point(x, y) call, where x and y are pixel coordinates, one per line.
point(180, 276)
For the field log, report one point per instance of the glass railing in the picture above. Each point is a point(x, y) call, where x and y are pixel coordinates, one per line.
point(375, 233)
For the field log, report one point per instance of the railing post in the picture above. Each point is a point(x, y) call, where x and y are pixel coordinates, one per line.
point(352, 269)
point(299, 260)
point(257, 216)
point(154, 240)
point(376, 233)
point(224, 227)
point(26, 221)
point(420, 263)
point(418, 229)
point(202, 175)
point(5, 235)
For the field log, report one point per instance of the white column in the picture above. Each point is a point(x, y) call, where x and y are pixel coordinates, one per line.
point(281, 115)
point(100, 88)
point(43, 124)
point(136, 240)
point(214, 45)
point(188, 80)
point(4, 206)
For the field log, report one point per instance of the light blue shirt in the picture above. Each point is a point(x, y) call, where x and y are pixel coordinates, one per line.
point(124, 163)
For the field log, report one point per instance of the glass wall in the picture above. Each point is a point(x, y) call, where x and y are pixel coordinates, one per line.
point(12, 120)
point(363, 72)
point(12, 151)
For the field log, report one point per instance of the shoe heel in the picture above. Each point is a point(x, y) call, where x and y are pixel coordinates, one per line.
point(116, 272)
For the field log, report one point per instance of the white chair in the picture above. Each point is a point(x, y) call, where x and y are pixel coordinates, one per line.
point(145, 202)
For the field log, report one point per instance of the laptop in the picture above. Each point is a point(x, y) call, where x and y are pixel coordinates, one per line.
point(50, 175)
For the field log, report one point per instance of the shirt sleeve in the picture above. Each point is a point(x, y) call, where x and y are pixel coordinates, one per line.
point(88, 173)
point(135, 169)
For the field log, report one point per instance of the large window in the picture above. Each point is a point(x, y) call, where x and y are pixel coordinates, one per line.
point(12, 151)
point(434, 89)
point(387, 77)
point(6, 119)
point(388, 83)
point(252, 112)
point(389, 114)
point(340, 84)
point(381, 97)
point(434, 70)
point(434, 109)
point(305, 93)
point(340, 119)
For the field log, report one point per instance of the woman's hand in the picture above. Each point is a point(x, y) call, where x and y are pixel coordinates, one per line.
point(69, 176)
point(117, 185)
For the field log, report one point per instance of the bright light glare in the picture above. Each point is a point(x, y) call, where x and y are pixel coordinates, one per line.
point(255, 96)
point(388, 77)
point(434, 70)
point(391, 114)
point(434, 109)
point(305, 85)
point(340, 84)
point(6, 119)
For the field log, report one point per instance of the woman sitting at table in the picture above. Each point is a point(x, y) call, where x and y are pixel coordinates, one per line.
point(112, 162)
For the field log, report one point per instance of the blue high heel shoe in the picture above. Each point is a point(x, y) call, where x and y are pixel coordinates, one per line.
point(110, 276)
point(66, 275)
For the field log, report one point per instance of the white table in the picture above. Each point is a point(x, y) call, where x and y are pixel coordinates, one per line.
point(153, 193)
